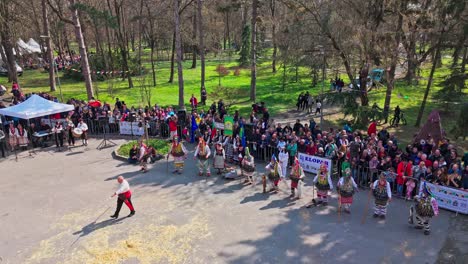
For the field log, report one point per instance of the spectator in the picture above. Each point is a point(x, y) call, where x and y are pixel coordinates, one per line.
point(133, 155)
point(193, 102)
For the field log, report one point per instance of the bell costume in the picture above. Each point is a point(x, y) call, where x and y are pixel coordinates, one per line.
point(423, 210)
point(346, 187)
point(274, 173)
point(248, 166)
point(382, 194)
point(179, 152)
point(296, 176)
point(323, 183)
point(202, 153)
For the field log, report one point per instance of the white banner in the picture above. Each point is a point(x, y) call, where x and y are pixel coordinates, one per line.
point(126, 128)
point(312, 163)
point(219, 126)
point(449, 198)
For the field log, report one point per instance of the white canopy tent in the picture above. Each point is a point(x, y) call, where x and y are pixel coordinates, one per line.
point(34, 46)
point(35, 106)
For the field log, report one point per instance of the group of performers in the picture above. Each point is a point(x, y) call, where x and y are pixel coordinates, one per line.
point(276, 171)
point(17, 136)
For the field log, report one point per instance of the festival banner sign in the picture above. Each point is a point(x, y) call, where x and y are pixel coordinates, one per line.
point(312, 163)
point(449, 198)
point(126, 128)
point(219, 125)
point(228, 125)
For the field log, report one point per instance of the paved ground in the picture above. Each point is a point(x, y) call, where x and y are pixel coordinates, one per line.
point(56, 210)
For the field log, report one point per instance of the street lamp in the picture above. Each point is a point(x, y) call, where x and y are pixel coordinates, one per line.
point(54, 68)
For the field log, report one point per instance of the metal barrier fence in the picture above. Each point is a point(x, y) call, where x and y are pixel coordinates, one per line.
point(156, 128)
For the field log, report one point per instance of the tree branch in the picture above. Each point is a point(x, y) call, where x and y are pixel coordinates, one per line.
point(59, 14)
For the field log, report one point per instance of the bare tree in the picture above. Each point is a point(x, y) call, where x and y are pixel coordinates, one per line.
point(6, 36)
point(179, 53)
point(48, 41)
point(253, 70)
point(201, 44)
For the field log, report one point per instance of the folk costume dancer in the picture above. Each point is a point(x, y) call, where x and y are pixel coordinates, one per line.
point(84, 128)
point(248, 166)
point(423, 210)
point(274, 173)
point(124, 196)
point(219, 157)
point(383, 195)
point(22, 136)
point(58, 133)
point(202, 153)
point(179, 152)
point(283, 157)
point(346, 187)
point(70, 137)
point(324, 184)
point(296, 176)
point(13, 136)
point(143, 157)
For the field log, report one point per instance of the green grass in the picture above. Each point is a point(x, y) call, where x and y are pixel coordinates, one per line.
point(269, 88)
point(161, 146)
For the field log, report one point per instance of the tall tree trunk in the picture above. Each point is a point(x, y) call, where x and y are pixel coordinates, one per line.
point(412, 60)
point(50, 55)
point(82, 47)
point(6, 36)
point(465, 58)
point(228, 29)
point(171, 75)
point(273, 32)
point(194, 39)
point(179, 54)
point(140, 30)
point(123, 42)
point(253, 75)
point(429, 84)
point(393, 63)
point(153, 66)
point(458, 48)
point(201, 44)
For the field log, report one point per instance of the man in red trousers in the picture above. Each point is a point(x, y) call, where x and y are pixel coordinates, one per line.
point(124, 196)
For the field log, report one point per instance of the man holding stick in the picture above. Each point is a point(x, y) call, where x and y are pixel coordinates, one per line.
point(124, 196)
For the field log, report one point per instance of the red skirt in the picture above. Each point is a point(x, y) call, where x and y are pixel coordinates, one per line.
point(347, 200)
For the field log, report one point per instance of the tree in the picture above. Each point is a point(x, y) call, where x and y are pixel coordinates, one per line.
point(201, 44)
point(273, 33)
point(82, 48)
point(253, 75)
point(6, 35)
point(50, 55)
point(245, 47)
point(179, 53)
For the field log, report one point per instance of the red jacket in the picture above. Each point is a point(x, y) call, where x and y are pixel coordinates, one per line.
point(403, 171)
point(172, 125)
point(372, 129)
point(193, 101)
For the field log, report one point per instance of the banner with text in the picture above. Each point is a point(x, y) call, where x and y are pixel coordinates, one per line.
point(126, 128)
point(312, 163)
point(228, 125)
point(449, 198)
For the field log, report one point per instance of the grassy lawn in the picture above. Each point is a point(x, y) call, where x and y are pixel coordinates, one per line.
point(269, 89)
point(162, 146)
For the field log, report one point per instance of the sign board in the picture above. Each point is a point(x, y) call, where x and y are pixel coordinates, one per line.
point(312, 163)
point(126, 128)
point(219, 126)
point(228, 125)
point(449, 198)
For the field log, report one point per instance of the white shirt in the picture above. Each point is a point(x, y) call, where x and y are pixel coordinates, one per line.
point(123, 187)
point(341, 182)
point(330, 183)
point(83, 126)
point(207, 151)
point(389, 191)
point(319, 105)
point(283, 156)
